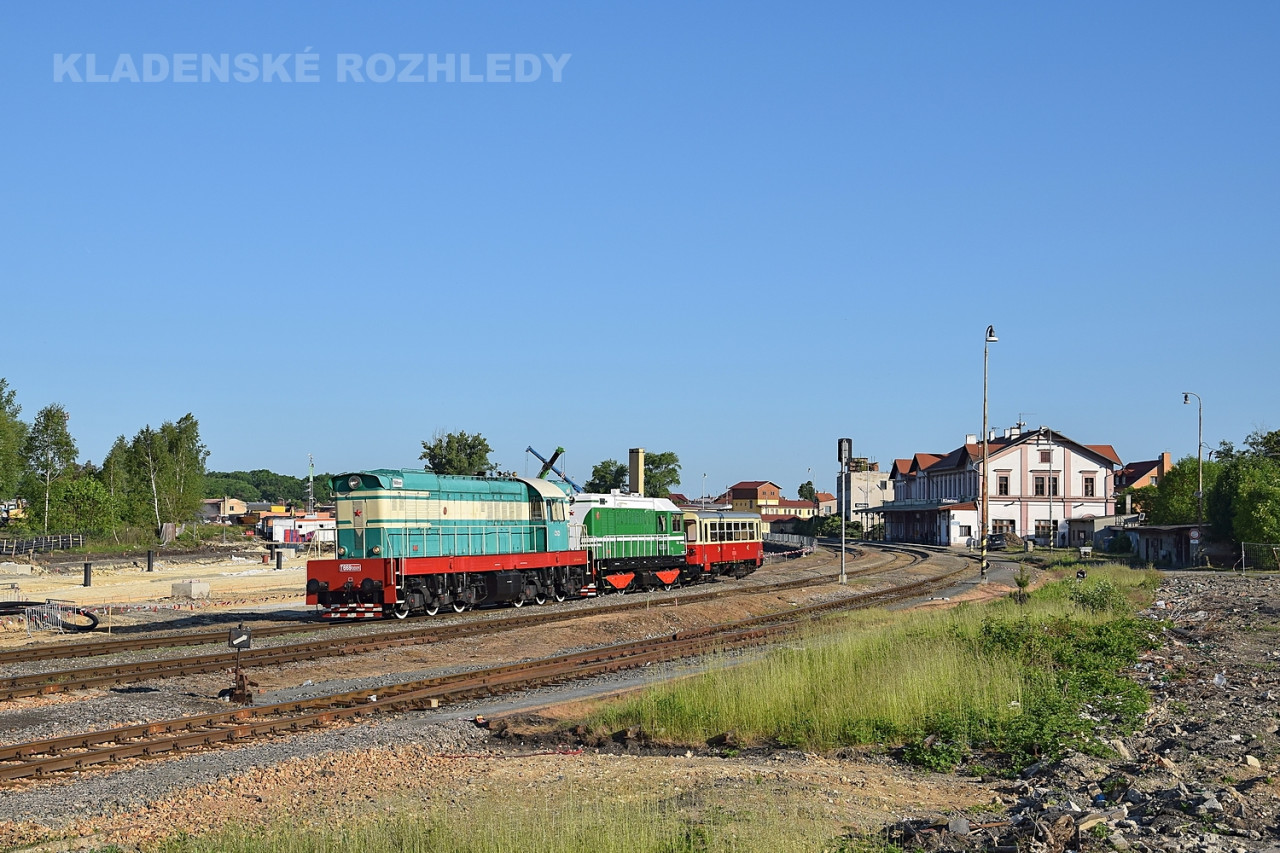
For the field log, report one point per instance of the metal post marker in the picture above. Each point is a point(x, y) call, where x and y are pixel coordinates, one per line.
point(991, 338)
point(844, 449)
point(1186, 399)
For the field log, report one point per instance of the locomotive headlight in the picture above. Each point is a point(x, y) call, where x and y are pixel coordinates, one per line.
point(376, 550)
point(342, 551)
point(353, 481)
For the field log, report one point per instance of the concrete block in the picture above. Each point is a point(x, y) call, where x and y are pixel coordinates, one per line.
point(8, 568)
point(189, 589)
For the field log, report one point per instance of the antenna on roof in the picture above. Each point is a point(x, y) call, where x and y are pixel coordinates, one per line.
point(1022, 419)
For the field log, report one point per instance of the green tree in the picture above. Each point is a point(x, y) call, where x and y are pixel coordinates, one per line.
point(82, 504)
point(1266, 444)
point(114, 476)
point(13, 439)
point(606, 476)
point(222, 485)
point(1256, 506)
point(1175, 494)
point(808, 493)
point(661, 473)
point(457, 453)
point(166, 470)
point(49, 452)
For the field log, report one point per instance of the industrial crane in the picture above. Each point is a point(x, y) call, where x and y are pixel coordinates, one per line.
point(550, 465)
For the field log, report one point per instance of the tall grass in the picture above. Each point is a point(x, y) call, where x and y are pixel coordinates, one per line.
point(1011, 677)
point(543, 822)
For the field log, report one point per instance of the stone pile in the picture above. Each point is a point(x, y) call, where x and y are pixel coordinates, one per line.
point(1196, 778)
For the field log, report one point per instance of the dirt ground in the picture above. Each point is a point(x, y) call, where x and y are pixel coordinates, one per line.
point(123, 592)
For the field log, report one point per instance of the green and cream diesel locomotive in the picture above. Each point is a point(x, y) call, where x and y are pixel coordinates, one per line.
point(413, 541)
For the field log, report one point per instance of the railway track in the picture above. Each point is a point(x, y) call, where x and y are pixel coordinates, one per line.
point(98, 648)
point(81, 751)
point(14, 687)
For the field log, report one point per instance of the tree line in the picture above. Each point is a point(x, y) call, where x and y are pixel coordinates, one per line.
point(462, 453)
point(1241, 491)
point(155, 478)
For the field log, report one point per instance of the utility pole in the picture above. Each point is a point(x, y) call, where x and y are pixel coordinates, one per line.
point(844, 449)
point(991, 338)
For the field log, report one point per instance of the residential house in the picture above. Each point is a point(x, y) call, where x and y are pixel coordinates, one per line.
point(754, 496)
point(1038, 481)
point(827, 503)
point(1135, 475)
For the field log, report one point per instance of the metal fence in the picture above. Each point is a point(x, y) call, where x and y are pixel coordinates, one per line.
point(60, 616)
point(795, 546)
point(14, 547)
point(1262, 556)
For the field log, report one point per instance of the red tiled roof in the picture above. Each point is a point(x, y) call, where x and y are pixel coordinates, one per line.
point(1108, 452)
point(788, 503)
point(901, 466)
point(752, 484)
point(779, 518)
point(825, 496)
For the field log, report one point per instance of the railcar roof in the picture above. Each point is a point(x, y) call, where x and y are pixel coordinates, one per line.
point(415, 479)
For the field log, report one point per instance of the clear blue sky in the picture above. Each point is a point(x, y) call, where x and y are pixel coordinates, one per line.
point(737, 231)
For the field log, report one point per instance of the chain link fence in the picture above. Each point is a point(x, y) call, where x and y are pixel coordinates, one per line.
point(1259, 556)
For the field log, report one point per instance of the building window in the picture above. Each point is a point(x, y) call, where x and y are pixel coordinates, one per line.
point(1088, 487)
point(1002, 484)
point(1053, 486)
point(1002, 525)
point(1039, 486)
point(1044, 530)
point(966, 531)
point(1046, 456)
point(1153, 479)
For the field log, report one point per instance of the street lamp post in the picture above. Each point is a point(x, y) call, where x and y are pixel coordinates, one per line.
point(1186, 400)
point(986, 346)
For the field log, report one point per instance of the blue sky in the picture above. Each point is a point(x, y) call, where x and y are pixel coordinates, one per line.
point(736, 231)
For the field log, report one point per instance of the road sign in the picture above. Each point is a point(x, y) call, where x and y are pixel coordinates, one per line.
point(1195, 535)
point(240, 638)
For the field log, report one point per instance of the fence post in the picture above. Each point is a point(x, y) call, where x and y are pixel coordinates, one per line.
point(88, 574)
point(151, 561)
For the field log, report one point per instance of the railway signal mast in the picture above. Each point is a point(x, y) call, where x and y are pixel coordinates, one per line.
point(844, 450)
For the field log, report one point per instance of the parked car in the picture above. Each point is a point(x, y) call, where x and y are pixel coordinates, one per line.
point(996, 542)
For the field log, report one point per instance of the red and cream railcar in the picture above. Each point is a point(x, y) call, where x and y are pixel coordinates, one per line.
point(723, 543)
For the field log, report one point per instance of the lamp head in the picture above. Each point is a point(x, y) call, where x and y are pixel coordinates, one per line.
point(991, 335)
point(1186, 398)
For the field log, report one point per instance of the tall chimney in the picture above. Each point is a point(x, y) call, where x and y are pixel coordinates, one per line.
point(636, 480)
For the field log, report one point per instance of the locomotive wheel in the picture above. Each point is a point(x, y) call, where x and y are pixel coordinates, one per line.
point(540, 598)
point(433, 607)
point(459, 606)
point(666, 587)
point(517, 602)
point(400, 610)
point(558, 595)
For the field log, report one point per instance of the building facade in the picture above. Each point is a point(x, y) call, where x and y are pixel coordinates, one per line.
point(1038, 481)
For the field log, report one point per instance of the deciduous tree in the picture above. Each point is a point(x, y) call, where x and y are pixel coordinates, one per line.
point(808, 493)
point(606, 476)
point(49, 451)
point(661, 473)
point(457, 453)
point(13, 438)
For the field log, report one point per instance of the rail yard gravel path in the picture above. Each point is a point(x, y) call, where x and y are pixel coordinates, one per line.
point(137, 803)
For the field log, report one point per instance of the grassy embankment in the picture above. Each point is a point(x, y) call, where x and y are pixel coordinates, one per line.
point(1014, 681)
point(1000, 684)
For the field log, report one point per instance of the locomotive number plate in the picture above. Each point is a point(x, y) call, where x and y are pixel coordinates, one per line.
point(348, 567)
